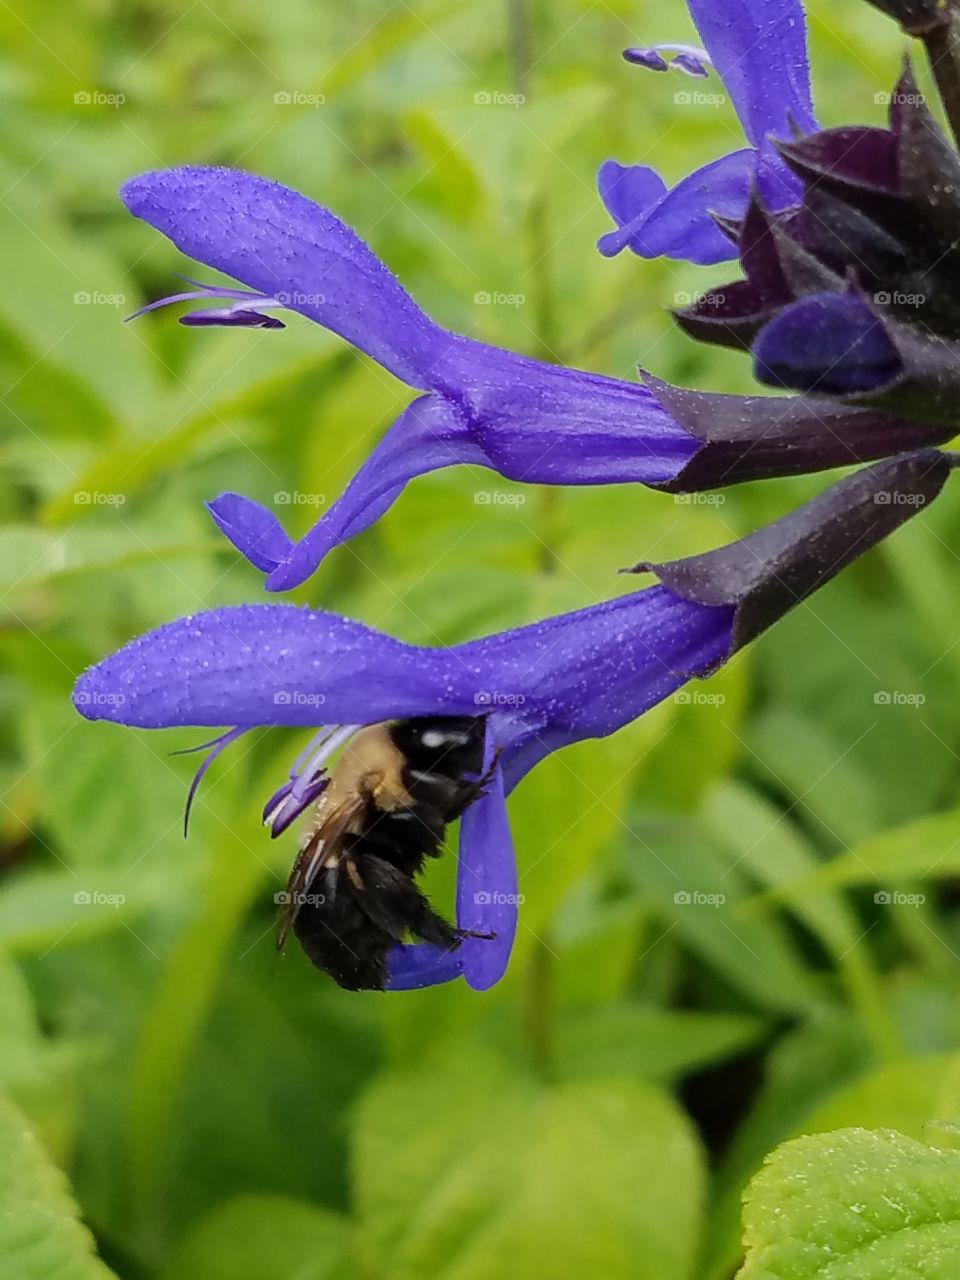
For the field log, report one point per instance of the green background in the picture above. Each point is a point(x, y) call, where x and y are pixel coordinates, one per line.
point(221, 1112)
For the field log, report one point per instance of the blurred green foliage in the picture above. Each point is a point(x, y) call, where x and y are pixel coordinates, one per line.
point(740, 921)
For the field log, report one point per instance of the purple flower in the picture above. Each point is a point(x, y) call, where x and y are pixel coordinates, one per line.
point(527, 420)
point(579, 675)
point(853, 292)
point(758, 48)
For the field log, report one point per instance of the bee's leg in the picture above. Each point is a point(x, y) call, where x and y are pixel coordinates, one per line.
point(470, 791)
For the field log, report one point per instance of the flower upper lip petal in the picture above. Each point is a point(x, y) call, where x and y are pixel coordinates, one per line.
point(759, 50)
point(279, 243)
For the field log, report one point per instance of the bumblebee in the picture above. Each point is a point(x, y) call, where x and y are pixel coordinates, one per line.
point(352, 892)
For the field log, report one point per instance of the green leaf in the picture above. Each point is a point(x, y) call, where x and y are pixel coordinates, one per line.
point(699, 892)
point(254, 1236)
point(472, 1169)
point(655, 1044)
point(926, 849)
point(854, 1205)
point(34, 1071)
point(806, 1066)
point(908, 1094)
point(40, 1235)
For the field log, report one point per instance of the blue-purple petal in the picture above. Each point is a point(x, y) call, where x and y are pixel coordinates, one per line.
point(254, 531)
point(487, 891)
point(679, 223)
point(285, 246)
point(428, 435)
point(530, 421)
point(413, 965)
point(759, 48)
point(628, 190)
point(577, 675)
point(828, 342)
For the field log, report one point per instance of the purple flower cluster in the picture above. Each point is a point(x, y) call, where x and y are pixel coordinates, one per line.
point(822, 221)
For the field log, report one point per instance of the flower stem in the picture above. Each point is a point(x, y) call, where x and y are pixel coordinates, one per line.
point(943, 51)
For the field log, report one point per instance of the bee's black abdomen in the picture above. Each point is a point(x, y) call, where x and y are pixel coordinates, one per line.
point(347, 931)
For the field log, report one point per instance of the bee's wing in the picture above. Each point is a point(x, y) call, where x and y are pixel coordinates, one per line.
point(324, 844)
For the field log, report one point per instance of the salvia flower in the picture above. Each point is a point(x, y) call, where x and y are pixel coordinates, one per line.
point(758, 48)
point(527, 420)
point(853, 293)
point(575, 676)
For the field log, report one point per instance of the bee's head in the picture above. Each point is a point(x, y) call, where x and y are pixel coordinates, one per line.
point(451, 745)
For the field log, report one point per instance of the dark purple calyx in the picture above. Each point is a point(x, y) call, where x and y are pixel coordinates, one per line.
point(767, 573)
